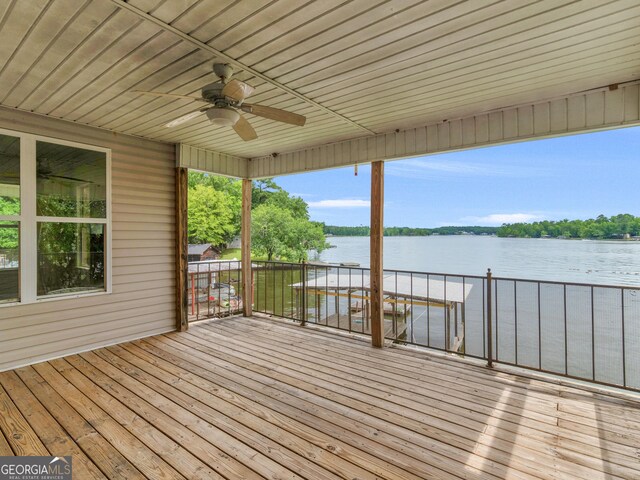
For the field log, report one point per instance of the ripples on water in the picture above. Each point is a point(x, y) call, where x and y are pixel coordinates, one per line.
point(582, 261)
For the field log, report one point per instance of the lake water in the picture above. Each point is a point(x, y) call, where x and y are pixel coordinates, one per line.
point(590, 332)
point(563, 306)
point(582, 261)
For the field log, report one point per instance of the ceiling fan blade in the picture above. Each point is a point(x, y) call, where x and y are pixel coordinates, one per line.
point(245, 130)
point(170, 95)
point(237, 90)
point(184, 118)
point(275, 114)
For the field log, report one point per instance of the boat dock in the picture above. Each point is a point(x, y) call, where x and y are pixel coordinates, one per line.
point(402, 293)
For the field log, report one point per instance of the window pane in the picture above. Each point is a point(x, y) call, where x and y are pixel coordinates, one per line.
point(9, 175)
point(9, 261)
point(70, 258)
point(71, 181)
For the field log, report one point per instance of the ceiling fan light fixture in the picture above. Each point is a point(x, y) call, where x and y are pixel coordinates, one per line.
point(223, 116)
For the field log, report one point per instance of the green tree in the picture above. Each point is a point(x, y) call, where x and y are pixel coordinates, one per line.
point(281, 225)
point(269, 229)
point(232, 188)
point(277, 234)
point(261, 190)
point(8, 236)
point(601, 227)
point(8, 230)
point(296, 205)
point(210, 216)
point(303, 237)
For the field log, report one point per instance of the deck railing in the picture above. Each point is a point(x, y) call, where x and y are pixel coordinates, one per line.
point(584, 331)
point(214, 289)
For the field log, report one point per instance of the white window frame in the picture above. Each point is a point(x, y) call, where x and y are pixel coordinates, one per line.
point(28, 265)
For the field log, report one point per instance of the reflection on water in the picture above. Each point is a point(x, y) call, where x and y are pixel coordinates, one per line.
point(273, 291)
point(582, 261)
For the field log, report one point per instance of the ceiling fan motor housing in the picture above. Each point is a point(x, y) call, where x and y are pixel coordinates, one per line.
point(224, 116)
point(212, 91)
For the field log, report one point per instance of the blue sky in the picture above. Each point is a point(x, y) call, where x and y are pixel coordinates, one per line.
point(580, 176)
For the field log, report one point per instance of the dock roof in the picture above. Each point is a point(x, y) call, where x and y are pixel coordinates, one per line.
point(397, 285)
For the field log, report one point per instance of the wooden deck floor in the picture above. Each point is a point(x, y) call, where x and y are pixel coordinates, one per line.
point(253, 398)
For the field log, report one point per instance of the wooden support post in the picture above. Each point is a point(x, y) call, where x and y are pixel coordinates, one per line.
point(377, 230)
point(245, 250)
point(182, 282)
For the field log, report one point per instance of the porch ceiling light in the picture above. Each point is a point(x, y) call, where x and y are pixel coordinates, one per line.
point(223, 116)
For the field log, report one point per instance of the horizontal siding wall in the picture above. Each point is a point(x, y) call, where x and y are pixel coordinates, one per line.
point(578, 113)
point(143, 253)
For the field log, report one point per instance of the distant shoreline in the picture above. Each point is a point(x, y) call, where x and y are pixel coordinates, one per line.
point(626, 240)
point(618, 227)
point(363, 231)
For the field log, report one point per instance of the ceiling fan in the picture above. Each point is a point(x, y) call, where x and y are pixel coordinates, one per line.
point(43, 172)
point(226, 99)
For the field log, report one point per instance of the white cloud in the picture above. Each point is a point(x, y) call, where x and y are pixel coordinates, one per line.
point(425, 169)
point(340, 203)
point(497, 219)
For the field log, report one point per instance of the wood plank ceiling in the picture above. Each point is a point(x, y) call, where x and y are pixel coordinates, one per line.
point(353, 67)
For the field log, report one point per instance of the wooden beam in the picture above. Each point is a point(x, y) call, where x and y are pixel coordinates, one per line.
point(245, 249)
point(377, 227)
point(182, 188)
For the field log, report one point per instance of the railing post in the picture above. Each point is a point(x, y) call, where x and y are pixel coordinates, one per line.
point(489, 321)
point(193, 294)
point(303, 320)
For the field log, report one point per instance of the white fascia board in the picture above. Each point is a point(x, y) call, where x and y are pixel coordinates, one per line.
point(205, 160)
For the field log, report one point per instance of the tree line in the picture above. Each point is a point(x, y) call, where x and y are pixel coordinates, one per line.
point(280, 223)
point(363, 231)
point(617, 226)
